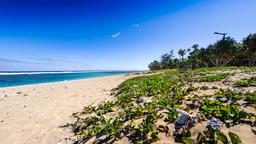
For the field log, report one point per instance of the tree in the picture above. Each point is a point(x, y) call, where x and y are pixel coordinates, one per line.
point(196, 57)
point(249, 47)
point(155, 65)
point(182, 53)
point(223, 51)
point(167, 60)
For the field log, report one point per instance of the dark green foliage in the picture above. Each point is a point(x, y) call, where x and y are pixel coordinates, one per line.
point(155, 65)
point(105, 108)
point(167, 61)
point(191, 88)
point(249, 49)
point(187, 140)
point(246, 82)
point(234, 138)
point(216, 77)
point(147, 86)
point(224, 52)
point(241, 84)
point(213, 137)
point(229, 95)
point(230, 114)
point(251, 98)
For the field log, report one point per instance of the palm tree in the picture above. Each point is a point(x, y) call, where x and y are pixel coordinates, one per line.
point(182, 53)
point(223, 51)
point(197, 57)
point(249, 47)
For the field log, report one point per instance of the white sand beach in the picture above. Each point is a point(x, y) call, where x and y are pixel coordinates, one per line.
point(32, 114)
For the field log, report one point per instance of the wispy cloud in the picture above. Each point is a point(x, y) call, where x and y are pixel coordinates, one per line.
point(42, 63)
point(116, 35)
point(136, 25)
point(4, 60)
point(53, 60)
point(60, 61)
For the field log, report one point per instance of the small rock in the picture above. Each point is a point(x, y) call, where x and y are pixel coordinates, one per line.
point(252, 91)
point(231, 88)
point(120, 111)
point(214, 124)
point(196, 119)
point(241, 102)
point(254, 130)
point(18, 93)
point(200, 101)
point(225, 81)
point(184, 117)
point(224, 99)
point(141, 99)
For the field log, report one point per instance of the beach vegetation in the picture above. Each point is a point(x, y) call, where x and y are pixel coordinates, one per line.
point(145, 106)
point(246, 82)
point(229, 113)
point(214, 137)
point(241, 83)
point(251, 98)
point(216, 77)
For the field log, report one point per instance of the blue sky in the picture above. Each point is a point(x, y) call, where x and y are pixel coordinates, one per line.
point(112, 34)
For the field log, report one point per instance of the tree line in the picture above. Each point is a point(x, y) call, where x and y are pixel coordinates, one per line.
point(224, 52)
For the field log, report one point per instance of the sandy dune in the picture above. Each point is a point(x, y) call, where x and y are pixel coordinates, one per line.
point(32, 114)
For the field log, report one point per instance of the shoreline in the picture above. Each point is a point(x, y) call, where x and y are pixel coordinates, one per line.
point(42, 83)
point(32, 114)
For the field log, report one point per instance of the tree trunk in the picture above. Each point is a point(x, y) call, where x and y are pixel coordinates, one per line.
point(228, 60)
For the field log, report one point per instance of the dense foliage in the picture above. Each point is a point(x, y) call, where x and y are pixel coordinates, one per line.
point(224, 52)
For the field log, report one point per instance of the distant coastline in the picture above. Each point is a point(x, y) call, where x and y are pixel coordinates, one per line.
point(59, 72)
point(20, 78)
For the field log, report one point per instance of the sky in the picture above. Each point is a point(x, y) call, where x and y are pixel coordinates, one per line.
point(38, 35)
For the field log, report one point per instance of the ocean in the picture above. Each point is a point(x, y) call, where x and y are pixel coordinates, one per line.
point(8, 79)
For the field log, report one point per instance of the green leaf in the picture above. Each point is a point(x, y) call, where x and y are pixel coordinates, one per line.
point(187, 140)
point(154, 136)
point(201, 138)
point(234, 138)
point(222, 137)
point(242, 114)
point(188, 133)
point(161, 128)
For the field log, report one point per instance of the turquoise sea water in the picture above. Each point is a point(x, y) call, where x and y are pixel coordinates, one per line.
point(8, 79)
